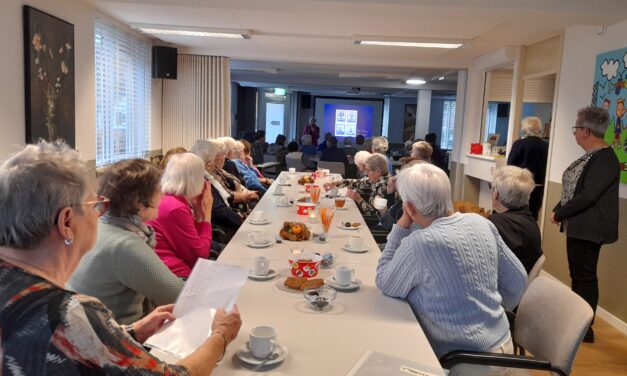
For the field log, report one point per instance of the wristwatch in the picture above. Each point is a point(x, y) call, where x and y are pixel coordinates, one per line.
point(130, 329)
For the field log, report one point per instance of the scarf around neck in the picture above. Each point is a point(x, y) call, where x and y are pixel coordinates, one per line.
point(133, 224)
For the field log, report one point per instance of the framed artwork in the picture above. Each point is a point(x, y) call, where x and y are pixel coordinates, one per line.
point(49, 77)
point(409, 126)
point(610, 92)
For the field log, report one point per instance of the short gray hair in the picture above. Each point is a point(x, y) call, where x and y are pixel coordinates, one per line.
point(35, 185)
point(184, 175)
point(514, 185)
point(380, 145)
point(306, 139)
point(531, 126)
point(377, 161)
point(208, 150)
point(427, 188)
point(594, 118)
point(361, 157)
point(228, 143)
point(422, 150)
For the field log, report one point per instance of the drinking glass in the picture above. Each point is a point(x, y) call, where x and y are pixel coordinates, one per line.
point(314, 192)
point(326, 217)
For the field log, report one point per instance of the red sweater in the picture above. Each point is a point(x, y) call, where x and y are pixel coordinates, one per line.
point(180, 239)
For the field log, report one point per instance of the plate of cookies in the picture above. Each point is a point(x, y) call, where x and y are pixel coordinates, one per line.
point(296, 285)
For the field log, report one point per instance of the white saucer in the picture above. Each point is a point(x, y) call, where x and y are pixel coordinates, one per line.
point(351, 228)
point(347, 248)
point(283, 205)
point(279, 194)
point(259, 245)
point(246, 356)
point(353, 286)
point(264, 221)
point(255, 277)
point(342, 208)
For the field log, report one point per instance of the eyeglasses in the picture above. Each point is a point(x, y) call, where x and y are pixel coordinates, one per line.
point(101, 205)
point(575, 129)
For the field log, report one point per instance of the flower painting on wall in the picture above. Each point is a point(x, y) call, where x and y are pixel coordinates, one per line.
point(49, 70)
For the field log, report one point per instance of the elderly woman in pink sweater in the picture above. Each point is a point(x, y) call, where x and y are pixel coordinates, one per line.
point(183, 224)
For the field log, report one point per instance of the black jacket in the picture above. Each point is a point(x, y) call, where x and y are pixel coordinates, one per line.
point(530, 153)
point(521, 233)
point(334, 154)
point(592, 213)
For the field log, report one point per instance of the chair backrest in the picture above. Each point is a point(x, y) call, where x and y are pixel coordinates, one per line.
point(350, 150)
point(269, 158)
point(333, 167)
point(551, 322)
point(296, 163)
point(535, 271)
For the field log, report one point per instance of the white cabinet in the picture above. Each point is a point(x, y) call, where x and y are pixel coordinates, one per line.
point(482, 167)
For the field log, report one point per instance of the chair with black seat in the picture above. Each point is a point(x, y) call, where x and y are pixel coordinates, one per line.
point(296, 163)
point(333, 167)
point(551, 322)
point(271, 172)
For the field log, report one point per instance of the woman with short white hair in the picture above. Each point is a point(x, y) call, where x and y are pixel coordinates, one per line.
point(422, 150)
point(232, 149)
point(183, 224)
point(510, 200)
point(456, 272)
point(360, 161)
point(531, 152)
point(380, 145)
point(306, 139)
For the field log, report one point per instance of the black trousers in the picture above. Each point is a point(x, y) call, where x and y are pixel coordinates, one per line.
point(583, 257)
point(535, 201)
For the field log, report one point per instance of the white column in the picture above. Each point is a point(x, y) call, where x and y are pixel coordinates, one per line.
point(423, 110)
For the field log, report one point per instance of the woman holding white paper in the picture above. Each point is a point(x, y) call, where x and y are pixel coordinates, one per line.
point(49, 222)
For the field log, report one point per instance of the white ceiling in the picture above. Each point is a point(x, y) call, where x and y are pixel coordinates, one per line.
point(302, 36)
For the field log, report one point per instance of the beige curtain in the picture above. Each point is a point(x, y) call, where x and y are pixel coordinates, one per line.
point(197, 104)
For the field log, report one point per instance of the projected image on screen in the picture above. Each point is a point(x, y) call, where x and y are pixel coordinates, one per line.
point(344, 120)
point(346, 123)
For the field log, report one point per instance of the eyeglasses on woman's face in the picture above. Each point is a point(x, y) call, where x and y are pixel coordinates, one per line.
point(576, 127)
point(101, 205)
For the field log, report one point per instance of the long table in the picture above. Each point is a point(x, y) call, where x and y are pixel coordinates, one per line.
point(321, 343)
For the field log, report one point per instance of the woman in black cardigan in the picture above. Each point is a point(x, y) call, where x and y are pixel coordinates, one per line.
point(588, 209)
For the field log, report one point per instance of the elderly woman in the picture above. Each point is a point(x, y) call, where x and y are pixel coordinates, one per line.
point(45, 328)
point(231, 153)
point(422, 150)
point(252, 178)
point(456, 272)
point(380, 145)
point(183, 224)
point(168, 155)
point(223, 213)
point(510, 200)
point(360, 161)
point(313, 130)
point(531, 152)
point(588, 208)
point(306, 145)
point(123, 270)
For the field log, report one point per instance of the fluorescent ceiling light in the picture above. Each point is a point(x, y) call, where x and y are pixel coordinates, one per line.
point(441, 78)
point(407, 42)
point(192, 31)
point(382, 76)
point(415, 81)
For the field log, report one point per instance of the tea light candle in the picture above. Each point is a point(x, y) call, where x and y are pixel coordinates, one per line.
point(312, 215)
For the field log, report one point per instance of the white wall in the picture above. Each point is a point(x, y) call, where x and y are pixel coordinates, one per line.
point(581, 46)
point(12, 116)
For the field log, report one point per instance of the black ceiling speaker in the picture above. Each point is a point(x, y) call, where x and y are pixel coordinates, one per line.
point(305, 101)
point(164, 62)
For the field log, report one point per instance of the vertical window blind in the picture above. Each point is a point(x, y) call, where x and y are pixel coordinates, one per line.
point(491, 119)
point(122, 94)
point(448, 125)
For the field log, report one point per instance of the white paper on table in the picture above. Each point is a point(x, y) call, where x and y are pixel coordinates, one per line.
point(210, 286)
point(374, 363)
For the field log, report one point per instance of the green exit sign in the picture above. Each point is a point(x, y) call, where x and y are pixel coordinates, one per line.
point(278, 91)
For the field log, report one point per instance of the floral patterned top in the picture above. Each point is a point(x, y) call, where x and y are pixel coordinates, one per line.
point(47, 330)
point(369, 190)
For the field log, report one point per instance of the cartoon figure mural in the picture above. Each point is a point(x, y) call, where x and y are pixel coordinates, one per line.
point(609, 92)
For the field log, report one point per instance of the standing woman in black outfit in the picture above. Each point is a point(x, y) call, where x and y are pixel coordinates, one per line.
point(531, 152)
point(588, 209)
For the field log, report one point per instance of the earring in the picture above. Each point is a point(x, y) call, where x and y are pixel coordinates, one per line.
point(68, 241)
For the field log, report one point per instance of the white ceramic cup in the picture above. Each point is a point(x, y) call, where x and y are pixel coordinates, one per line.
point(344, 275)
point(262, 265)
point(262, 341)
point(380, 203)
point(292, 170)
point(257, 237)
point(257, 216)
point(278, 190)
point(355, 242)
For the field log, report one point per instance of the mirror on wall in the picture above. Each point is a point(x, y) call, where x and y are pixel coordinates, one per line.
point(496, 108)
point(538, 100)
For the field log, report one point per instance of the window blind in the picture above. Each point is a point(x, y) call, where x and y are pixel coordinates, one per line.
point(122, 94)
point(491, 119)
point(448, 125)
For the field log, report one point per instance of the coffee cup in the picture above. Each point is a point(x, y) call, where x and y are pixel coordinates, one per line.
point(257, 216)
point(380, 203)
point(282, 179)
point(257, 237)
point(262, 341)
point(292, 170)
point(262, 265)
point(281, 200)
point(278, 190)
point(344, 275)
point(355, 242)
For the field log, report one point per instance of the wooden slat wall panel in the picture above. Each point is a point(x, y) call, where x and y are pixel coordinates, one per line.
point(198, 104)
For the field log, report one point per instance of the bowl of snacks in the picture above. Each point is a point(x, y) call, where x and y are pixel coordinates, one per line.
point(307, 179)
point(294, 231)
point(320, 298)
point(305, 264)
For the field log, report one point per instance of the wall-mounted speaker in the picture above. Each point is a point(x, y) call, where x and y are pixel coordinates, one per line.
point(164, 62)
point(305, 101)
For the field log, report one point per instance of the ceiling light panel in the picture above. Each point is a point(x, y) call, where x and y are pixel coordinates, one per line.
point(192, 31)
